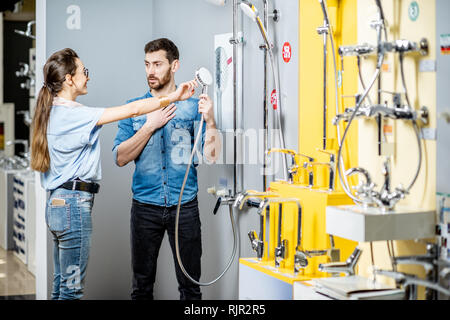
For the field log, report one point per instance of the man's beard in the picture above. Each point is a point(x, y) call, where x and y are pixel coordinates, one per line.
point(161, 83)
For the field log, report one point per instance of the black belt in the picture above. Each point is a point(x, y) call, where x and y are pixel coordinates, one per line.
point(79, 185)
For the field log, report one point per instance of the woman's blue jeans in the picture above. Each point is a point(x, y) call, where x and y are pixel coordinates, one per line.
point(69, 220)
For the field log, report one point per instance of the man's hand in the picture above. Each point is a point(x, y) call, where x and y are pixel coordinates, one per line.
point(205, 107)
point(159, 118)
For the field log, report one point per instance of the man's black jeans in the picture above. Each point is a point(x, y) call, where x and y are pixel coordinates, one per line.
point(148, 224)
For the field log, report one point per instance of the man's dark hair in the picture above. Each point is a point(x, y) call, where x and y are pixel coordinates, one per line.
point(163, 44)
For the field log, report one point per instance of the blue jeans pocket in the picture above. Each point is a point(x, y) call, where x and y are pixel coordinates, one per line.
point(58, 217)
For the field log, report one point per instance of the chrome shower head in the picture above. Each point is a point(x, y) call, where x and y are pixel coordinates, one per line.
point(204, 78)
point(217, 2)
point(249, 9)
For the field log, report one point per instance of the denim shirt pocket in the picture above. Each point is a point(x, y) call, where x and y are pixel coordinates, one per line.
point(138, 122)
point(181, 132)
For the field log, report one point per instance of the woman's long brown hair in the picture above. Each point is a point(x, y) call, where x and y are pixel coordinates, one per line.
point(55, 69)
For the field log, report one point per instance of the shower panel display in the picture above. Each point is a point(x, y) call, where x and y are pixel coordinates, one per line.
point(223, 80)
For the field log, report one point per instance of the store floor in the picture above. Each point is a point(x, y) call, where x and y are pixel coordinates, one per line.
point(16, 282)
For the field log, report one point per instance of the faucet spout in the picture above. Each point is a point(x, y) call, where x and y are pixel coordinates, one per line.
point(347, 267)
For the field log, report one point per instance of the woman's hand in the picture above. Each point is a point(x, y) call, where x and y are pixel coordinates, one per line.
point(205, 107)
point(184, 91)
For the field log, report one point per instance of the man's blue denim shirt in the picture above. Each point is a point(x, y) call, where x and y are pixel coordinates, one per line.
point(161, 166)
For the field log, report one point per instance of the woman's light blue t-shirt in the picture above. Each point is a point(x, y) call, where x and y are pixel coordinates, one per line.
point(73, 144)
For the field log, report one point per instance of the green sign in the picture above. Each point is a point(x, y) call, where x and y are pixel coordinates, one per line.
point(413, 11)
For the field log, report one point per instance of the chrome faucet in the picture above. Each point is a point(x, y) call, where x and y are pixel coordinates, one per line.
point(332, 165)
point(386, 199)
point(242, 197)
point(26, 117)
point(281, 249)
point(410, 282)
point(300, 258)
point(331, 170)
point(356, 50)
point(334, 254)
point(28, 32)
point(429, 262)
point(256, 242)
point(347, 267)
point(296, 159)
point(19, 141)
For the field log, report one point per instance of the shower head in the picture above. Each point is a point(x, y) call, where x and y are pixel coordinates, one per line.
point(217, 2)
point(204, 78)
point(249, 9)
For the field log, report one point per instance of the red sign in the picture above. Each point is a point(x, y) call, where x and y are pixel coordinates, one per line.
point(287, 52)
point(273, 99)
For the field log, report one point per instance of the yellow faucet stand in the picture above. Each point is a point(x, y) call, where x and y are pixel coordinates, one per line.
point(314, 237)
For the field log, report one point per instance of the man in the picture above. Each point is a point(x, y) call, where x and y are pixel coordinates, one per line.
point(160, 143)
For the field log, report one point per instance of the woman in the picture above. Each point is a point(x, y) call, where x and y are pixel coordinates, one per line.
point(65, 148)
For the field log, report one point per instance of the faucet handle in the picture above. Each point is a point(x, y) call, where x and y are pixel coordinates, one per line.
point(253, 239)
point(217, 206)
point(300, 260)
point(280, 252)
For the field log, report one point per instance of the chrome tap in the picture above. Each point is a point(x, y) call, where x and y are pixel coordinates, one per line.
point(257, 244)
point(242, 197)
point(281, 249)
point(223, 198)
point(409, 280)
point(332, 166)
point(280, 252)
point(356, 50)
point(311, 173)
point(28, 32)
point(385, 199)
point(300, 259)
point(364, 189)
point(296, 159)
point(405, 46)
point(429, 262)
point(347, 267)
point(26, 117)
point(24, 70)
point(334, 254)
point(19, 141)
